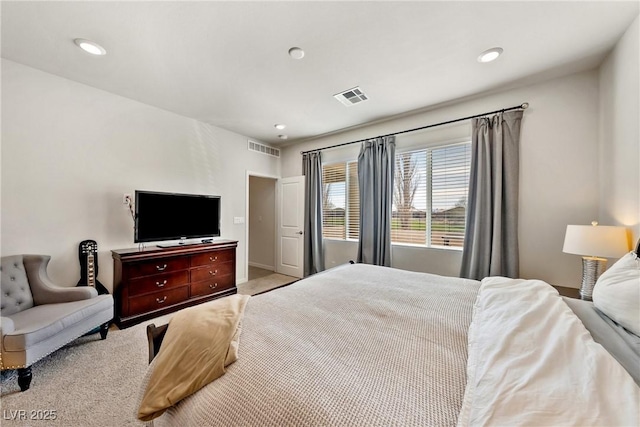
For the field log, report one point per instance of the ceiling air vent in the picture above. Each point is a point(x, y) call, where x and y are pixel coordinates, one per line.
point(264, 149)
point(351, 96)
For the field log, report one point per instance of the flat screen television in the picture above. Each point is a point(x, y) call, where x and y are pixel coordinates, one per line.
point(172, 216)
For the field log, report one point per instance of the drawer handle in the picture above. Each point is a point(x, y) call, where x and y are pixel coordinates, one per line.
point(161, 268)
point(213, 258)
point(160, 301)
point(213, 273)
point(213, 286)
point(160, 285)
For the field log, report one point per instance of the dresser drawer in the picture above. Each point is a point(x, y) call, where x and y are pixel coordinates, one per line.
point(212, 286)
point(158, 282)
point(160, 265)
point(157, 300)
point(211, 271)
point(213, 257)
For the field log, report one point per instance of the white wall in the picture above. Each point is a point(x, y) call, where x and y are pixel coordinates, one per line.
point(70, 152)
point(620, 134)
point(262, 222)
point(558, 173)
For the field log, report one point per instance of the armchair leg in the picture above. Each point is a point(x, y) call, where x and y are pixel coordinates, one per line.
point(24, 378)
point(104, 328)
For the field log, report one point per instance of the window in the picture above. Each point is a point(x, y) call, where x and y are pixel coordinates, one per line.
point(430, 196)
point(340, 200)
point(429, 200)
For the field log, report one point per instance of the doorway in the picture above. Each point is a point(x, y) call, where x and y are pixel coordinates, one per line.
point(261, 226)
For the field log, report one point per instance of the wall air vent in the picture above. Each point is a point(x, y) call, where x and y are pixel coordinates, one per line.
point(351, 96)
point(264, 149)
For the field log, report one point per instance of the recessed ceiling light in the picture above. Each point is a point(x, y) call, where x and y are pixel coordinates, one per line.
point(90, 47)
point(283, 136)
point(279, 126)
point(296, 53)
point(490, 54)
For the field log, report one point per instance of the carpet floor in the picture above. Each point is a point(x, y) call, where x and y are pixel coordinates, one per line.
point(264, 284)
point(91, 382)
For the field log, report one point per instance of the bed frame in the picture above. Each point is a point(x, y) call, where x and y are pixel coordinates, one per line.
point(155, 335)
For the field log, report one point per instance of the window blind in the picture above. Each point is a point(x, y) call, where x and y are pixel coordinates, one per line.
point(450, 166)
point(429, 200)
point(334, 179)
point(410, 203)
point(430, 196)
point(340, 201)
point(353, 206)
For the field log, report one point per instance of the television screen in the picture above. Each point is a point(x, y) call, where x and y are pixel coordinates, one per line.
point(171, 216)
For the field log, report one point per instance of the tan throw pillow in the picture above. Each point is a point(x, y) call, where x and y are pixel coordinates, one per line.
point(199, 343)
point(617, 293)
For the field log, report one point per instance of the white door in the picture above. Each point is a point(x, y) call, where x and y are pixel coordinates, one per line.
point(290, 242)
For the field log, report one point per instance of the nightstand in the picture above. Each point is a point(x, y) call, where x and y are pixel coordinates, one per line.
point(568, 292)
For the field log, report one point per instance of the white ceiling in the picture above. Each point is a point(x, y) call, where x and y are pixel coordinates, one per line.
point(226, 63)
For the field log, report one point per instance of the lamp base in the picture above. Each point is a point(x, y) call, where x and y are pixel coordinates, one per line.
point(592, 268)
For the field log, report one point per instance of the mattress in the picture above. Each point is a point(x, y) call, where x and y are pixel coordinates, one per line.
point(362, 345)
point(355, 345)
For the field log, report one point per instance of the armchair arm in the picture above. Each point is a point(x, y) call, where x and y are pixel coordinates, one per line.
point(6, 326)
point(44, 290)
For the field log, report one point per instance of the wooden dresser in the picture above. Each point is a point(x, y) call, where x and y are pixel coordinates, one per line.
point(154, 281)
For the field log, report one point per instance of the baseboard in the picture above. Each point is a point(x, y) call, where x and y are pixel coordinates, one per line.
point(266, 267)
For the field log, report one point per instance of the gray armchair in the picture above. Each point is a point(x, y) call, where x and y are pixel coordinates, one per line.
point(38, 317)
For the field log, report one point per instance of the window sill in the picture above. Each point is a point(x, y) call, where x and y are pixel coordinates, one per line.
point(402, 245)
point(417, 246)
point(335, 239)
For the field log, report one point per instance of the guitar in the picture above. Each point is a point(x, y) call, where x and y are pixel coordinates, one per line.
point(88, 256)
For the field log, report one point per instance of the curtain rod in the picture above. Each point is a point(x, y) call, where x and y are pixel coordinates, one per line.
point(522, 106)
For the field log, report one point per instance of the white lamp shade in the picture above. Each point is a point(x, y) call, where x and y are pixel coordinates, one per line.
point(596, 240)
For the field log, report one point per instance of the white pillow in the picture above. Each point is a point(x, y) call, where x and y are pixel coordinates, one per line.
point(617, 292)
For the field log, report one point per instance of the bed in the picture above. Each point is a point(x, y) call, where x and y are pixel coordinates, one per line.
point(362, 345)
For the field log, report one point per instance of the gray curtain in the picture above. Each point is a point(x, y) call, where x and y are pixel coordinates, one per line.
point(375, 180)
point(491, 236)
point(313, 250)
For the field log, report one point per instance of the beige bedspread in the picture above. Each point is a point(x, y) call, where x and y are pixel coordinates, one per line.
point(357, 345)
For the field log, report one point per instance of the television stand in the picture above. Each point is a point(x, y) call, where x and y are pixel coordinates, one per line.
point(154, 281)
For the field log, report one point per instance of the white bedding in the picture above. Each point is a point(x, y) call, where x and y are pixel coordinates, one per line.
point(532, 362)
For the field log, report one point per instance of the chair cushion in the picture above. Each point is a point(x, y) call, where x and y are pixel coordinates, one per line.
point(16, 293)
point(44, 321)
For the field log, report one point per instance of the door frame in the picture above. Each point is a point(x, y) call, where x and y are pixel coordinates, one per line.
point(246, 216)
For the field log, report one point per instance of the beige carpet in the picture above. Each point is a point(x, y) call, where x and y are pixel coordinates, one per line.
point(87, 383)
point(92, 382)
point(266, 283)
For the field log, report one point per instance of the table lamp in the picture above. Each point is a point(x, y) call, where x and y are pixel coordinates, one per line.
point(594, 242)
